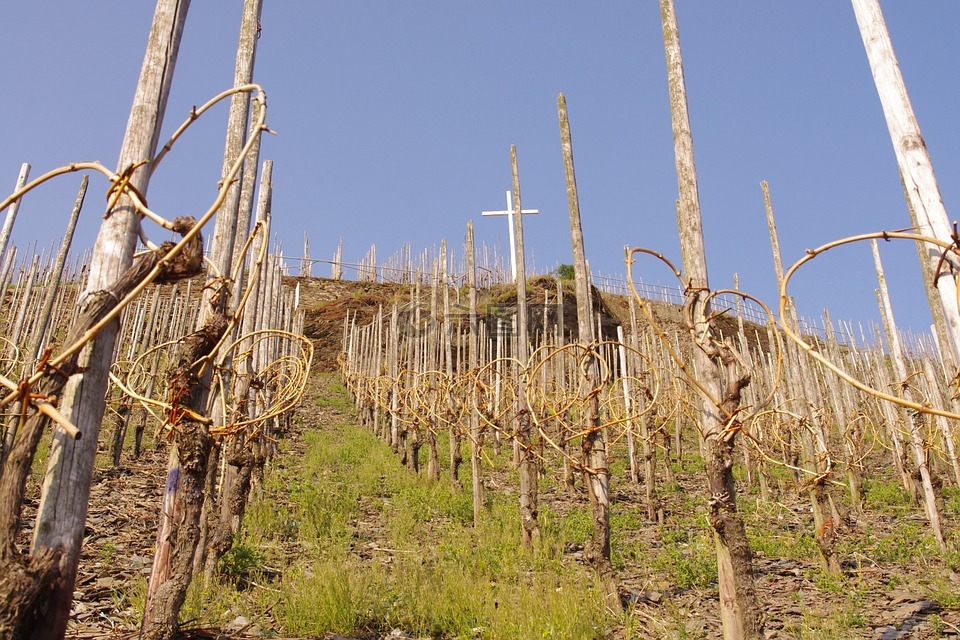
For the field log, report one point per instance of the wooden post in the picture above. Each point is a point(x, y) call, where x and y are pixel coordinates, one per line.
point(628, 406)
point(191, 452)
point(63, 507)
point(915, 421)
point(498, 384)
point(594, 446)
point(739, 609)
point(812, 437)
point(393, 360)
point(456, 457)
point(306, 265)
point(916, 169)
point(378, 374)
point(430, 346)
point(224, 234)
point(38, 339)
point(939, 329)
point(472, 363)
point(336, 268)
point(528, 461)
point(11, 216)
point(238, 461)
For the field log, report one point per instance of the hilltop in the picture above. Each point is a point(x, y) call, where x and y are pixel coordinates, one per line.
point(327, 302)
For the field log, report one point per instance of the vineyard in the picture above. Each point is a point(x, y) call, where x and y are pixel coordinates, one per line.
point(347, 534)
point(197, 444)
point(816, 451)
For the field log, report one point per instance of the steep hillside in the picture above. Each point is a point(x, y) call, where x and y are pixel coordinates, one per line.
point(327, 303)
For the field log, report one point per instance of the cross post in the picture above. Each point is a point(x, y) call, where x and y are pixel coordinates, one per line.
point(510, 213)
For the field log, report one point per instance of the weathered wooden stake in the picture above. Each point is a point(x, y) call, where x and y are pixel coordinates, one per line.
point(916, 169)
point(456, 457)
point(238, 459)
point(594, 446)
point(63, 507)
point(11, 216)
point(915, 421)
point(528, 461)
point(192, 449)
point(739, 609)
point(812, 437)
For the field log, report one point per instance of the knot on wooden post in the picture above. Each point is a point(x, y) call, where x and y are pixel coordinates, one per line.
point(188, 262)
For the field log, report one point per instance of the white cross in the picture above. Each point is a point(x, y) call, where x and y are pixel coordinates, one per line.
point(510, 225)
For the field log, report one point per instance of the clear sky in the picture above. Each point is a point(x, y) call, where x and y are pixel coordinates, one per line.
point(394, 122)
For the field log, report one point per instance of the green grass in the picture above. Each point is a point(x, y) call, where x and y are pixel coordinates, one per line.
point(910, 542)
point(883, 494)
point(793, 545)
point(432, 573)
point(951, 498)
point(687, 559)
point(366, 545)
point(836, 625)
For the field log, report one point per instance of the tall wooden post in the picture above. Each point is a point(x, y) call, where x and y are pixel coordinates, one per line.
point(431, 352)
point(66, 490)
point(224, 233)
point(625, 376)
point(915, 421)
point(38, 339)
point(238, 460)
point(11, 216)
point(528, 461)
point(378, 375)
point(812, 438)
point(247, 190)
point(393, 366)
point(916, 169)
point(456, 457)
point(597, 473)
point(472, 363)
point(739, 610)
point(192, 451)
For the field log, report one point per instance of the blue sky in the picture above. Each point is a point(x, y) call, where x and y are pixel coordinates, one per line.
point(394, 123)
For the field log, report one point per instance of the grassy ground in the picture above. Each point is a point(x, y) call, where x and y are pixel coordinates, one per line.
point(344, 539)
point(368, 546)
